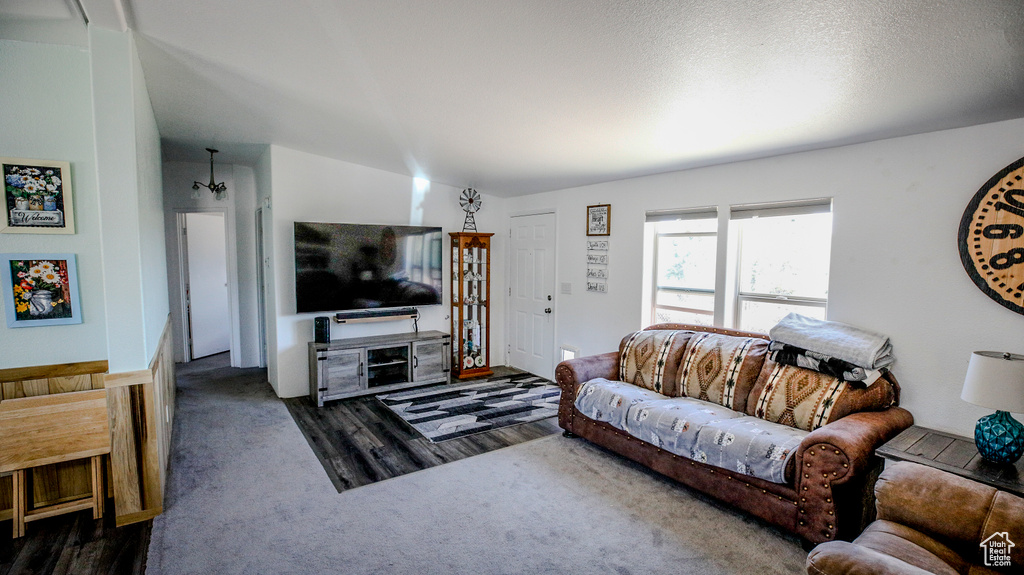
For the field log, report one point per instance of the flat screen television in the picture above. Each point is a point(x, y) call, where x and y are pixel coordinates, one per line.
point(341, 267)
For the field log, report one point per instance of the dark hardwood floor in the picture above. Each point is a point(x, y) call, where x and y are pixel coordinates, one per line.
point(75, 544)
point(360, 441)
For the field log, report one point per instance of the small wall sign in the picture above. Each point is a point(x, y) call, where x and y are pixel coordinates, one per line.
point(597, 266)
point(991, 237)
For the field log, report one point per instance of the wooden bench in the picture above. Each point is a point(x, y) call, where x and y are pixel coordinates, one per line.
point(48, 429)
point(138, 408)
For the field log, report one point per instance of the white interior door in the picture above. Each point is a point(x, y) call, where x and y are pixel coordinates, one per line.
point(532, 305)
point(207, 285)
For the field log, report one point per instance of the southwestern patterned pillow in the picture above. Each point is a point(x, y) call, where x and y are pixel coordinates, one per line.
point(807, 399)
point(721, 369)
point(648, 358)
point(798, 397)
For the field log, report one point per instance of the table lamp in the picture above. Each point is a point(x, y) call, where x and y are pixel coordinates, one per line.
point(996, 380)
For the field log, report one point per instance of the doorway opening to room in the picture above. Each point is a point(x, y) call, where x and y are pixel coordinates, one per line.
point(206, 307)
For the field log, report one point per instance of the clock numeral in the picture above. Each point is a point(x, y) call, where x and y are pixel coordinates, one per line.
point(1013, 204)
point(1007, 259)
point(1012, 209)
point(1011, 198)
point(1003, 231)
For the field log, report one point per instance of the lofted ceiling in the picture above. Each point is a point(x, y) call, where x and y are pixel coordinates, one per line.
point(521, 96)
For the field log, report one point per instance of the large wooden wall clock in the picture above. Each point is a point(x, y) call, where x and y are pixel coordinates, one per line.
point(991, 237)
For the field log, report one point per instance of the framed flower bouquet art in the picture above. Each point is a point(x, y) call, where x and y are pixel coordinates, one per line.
point(37, 197)
point(40, 289)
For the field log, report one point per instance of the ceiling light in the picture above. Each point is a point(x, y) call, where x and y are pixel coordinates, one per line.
point(219, 190)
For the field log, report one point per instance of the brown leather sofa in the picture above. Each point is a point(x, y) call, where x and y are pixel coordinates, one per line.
point(930, 521)
point(828, 497)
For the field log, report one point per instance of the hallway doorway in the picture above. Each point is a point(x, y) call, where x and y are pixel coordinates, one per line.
point(207, 317)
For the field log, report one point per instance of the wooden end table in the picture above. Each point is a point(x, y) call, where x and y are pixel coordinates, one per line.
point(954, 454)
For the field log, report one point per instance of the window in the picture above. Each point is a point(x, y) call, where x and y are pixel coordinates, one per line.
point(783, 261)
point(776, 261)
point(684, 261)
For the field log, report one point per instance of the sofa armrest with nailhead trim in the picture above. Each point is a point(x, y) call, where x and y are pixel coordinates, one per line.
point(571, 374)
point(837, 453)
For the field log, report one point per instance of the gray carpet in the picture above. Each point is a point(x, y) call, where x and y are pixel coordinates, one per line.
point(246, 495)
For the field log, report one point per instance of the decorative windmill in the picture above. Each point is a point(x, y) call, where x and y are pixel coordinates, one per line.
point(470, 201)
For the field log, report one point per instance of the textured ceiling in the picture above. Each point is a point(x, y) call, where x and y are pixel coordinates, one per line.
point(515, 97)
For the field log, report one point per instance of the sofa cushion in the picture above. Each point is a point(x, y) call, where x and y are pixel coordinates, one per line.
point(650, 358)
point(808, 399)
point(721, 369)
point(605, 400)
point(750, 446)
point(673, 424)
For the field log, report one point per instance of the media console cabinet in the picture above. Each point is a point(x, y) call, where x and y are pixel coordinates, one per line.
point(363, 365)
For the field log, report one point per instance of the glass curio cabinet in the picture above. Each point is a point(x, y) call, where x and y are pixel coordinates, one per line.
point(471, 309)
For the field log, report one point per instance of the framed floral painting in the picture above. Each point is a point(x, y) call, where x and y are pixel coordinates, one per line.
point(40, 289)
point(37, 197)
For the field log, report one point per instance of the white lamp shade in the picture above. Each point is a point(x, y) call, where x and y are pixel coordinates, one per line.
point(995, 380)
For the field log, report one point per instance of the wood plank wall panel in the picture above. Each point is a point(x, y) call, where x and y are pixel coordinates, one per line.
point(152, 478)
point(73, 480)
point(69, 384)
point(123, 453)
point(164, 401)
point(141, 403)
point(25, 388)
point(56, 370)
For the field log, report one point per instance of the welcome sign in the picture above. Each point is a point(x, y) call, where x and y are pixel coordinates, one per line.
point(35, 218)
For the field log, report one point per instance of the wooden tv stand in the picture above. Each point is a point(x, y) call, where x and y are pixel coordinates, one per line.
point(377, 364)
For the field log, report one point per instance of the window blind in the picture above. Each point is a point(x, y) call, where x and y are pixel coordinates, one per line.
point(708, 212)
point(792, 208)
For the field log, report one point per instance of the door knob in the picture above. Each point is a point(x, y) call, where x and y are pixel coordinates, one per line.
point(547, 310)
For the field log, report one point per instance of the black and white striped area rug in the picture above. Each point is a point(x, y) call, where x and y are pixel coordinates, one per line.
point(455, 410)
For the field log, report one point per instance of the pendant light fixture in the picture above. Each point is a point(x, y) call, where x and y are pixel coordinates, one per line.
point(219, 190)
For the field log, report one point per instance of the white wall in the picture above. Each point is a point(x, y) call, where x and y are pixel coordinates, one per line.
point(152, 249)
point(238, 209)
point(318, 189)
point(100, 119)
point(119, 205)
point(54, 124)
point(895, 265)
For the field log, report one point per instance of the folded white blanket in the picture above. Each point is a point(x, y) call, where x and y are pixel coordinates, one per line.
point(860, 347)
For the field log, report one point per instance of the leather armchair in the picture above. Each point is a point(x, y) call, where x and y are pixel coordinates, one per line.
point(930, 521)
